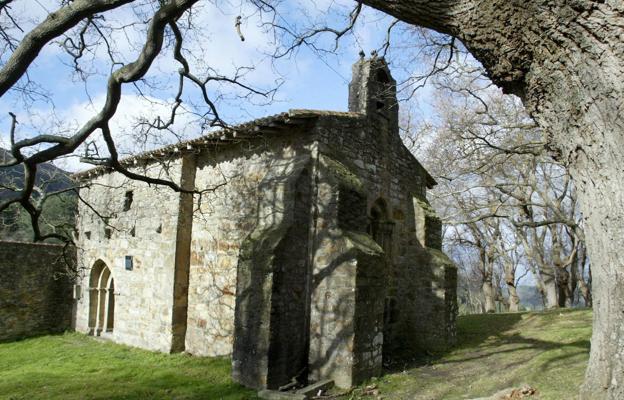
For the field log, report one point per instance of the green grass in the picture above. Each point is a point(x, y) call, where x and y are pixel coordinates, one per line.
point(74, 366)
point(548, 351)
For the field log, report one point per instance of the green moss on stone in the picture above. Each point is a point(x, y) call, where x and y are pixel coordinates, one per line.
point(426, 207)
point(342, 173)
point(363, 242)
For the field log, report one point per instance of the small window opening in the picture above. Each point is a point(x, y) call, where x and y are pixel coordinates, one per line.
point(382, 76)
point(133, 231)
point(391, 311)
point(108, 233)
point(380, 227)
point(128, 200)
point(88, 235)
point(159, 229)
point(351, 210)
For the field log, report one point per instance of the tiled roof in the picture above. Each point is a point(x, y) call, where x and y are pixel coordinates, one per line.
point(246, 130)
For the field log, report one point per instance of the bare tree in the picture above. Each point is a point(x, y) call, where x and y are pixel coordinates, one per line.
point(517, 206)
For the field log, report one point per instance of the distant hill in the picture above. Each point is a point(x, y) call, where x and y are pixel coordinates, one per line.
point(49, 177)
point(530, 297)
point(59, 212)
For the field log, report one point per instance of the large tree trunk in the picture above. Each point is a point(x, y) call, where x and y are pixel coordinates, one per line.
point(488, 295)
point(565, 59)
point(570, 289)
point(563, 280)
point(586, 293)
point(487, 274)
point(514, 299)
point(510, 280)
point(549, 283)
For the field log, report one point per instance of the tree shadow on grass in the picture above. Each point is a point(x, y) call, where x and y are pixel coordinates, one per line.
point(472, 330)
point(485, 336)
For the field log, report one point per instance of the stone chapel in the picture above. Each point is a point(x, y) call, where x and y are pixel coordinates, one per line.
point(308, 252)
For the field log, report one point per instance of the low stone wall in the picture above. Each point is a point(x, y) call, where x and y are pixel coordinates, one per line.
point(35, 294)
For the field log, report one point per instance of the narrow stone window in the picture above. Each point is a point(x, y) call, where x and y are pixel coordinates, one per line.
point(383, 81)
point(133, 231)
point(159, 229)
point(351, 210)
point(129, 197)
point(380, 226)
point(108, 233)
point(391, 311)
point(88, 235)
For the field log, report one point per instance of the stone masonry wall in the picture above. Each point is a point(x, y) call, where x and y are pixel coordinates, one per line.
point(253, 191)
point(420, 283)
point(35, 289)
point(147, 230)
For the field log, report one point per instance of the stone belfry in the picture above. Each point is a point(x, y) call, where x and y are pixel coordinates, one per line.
point(372, 91)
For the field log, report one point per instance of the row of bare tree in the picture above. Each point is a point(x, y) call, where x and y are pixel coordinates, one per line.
point(510, 210)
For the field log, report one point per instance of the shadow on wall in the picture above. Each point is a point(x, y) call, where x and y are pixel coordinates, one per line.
point(313, 278)
point(271, 315)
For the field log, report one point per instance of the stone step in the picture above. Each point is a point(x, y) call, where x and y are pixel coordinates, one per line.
point(305, 393)
point(275, 395)
point(313, 389)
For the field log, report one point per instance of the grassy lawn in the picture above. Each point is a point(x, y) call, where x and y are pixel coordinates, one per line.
point(74, 366)
point(548, 351)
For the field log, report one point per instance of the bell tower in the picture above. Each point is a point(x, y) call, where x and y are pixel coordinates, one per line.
point(372, 90)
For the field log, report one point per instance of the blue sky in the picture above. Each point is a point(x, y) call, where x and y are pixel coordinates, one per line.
point(309, 79)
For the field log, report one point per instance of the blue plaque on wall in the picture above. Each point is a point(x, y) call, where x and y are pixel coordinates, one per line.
point(129, 263)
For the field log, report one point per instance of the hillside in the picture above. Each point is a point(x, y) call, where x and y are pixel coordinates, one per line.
point(58, 212)
point(530, 298)
point(49, 177)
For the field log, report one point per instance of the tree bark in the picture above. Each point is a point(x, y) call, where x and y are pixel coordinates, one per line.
point(510, 281)
point(488, 295)
point(586, 293)
point(487, 274)
point(514, 300)
point(563, 280)
point(565, 59)
point(549, 283)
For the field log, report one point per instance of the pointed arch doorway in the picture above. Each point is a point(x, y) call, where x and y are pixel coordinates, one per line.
point(101, 300)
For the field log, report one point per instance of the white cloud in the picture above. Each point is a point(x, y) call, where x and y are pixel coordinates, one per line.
point(129, 138)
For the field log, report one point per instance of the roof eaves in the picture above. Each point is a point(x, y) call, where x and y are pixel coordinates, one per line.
point(247, 130)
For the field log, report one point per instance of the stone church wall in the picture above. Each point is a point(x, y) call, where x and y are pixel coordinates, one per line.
point(252, 192)
point(347, 282)
point(141, 221)
point(35, 289)
point(419, 304)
